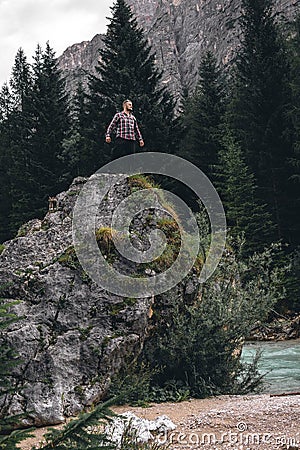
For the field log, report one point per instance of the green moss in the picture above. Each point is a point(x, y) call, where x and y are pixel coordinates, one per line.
point(48, 381)
point(172, 233)
point(84, 333)
point(106, 237)
point(78, 390)
point(165, 260)
point(171, 229)
point(97, 379)
point(22, 231)
point(116, 308)
point(199, 263)
point(69, 258)
point(129, 301)
point(106, 341)
point(2, 248)
point(140, 181)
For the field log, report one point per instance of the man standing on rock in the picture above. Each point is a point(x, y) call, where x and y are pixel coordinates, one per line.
point(127, 131)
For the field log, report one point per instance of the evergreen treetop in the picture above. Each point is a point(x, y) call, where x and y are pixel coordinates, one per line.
point(126, 69)
point(203, 116)
point(257, 113)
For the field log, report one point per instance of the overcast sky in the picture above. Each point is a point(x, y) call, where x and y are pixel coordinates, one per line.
point(26, 23)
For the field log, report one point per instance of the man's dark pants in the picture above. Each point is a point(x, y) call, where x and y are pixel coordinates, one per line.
point(123, 147)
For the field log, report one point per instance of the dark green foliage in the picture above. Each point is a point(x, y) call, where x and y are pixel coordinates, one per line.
point(263, 115)
point(49, 121)
point(34, 121)
point(76, 154)
point(127, 70)
point(19, 166)
point(11, 441)
point(257, 114)
point(293, 112)
point(244, 211)
point(197, 345)
point(134, 386)
point(294, 57)
point(21, 81)
point(83, 433)
point(292, 297)
point(202, 117)
point(6, 108)
point(12, 146)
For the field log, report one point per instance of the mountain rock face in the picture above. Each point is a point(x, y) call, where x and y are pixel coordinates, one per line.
point(180, 32)
point(79, 60)
point(73, 335)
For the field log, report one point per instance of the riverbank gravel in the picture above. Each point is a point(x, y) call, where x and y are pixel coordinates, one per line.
point(227, 422)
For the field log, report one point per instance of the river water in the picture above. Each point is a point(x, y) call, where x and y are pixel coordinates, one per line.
point(282, 362)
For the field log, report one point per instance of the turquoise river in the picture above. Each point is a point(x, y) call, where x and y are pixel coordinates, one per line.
point(281, 362)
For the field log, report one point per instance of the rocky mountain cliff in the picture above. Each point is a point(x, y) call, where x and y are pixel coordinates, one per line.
point(179, 31)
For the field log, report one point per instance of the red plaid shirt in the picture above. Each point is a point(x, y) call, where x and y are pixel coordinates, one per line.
point(126, 125)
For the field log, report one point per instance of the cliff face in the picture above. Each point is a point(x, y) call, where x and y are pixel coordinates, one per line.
point(78, 60)
point(179, 31)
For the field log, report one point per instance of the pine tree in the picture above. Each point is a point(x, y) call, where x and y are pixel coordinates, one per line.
point(294, 116)
point(245, 213)
point(6, 108)
point(47, 122)
point(257, 111)
point(12, 144)
point(127, 70)
point(49, 117)
point(202, 117)
point(293, 111)
point(20, 81)
point(75, 154)
point(34, 123)
point(19, 167)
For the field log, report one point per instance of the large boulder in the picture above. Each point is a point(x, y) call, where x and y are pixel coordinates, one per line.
point(73, 335)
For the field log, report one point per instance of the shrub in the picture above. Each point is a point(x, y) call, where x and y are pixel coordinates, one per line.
point(197, 346)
